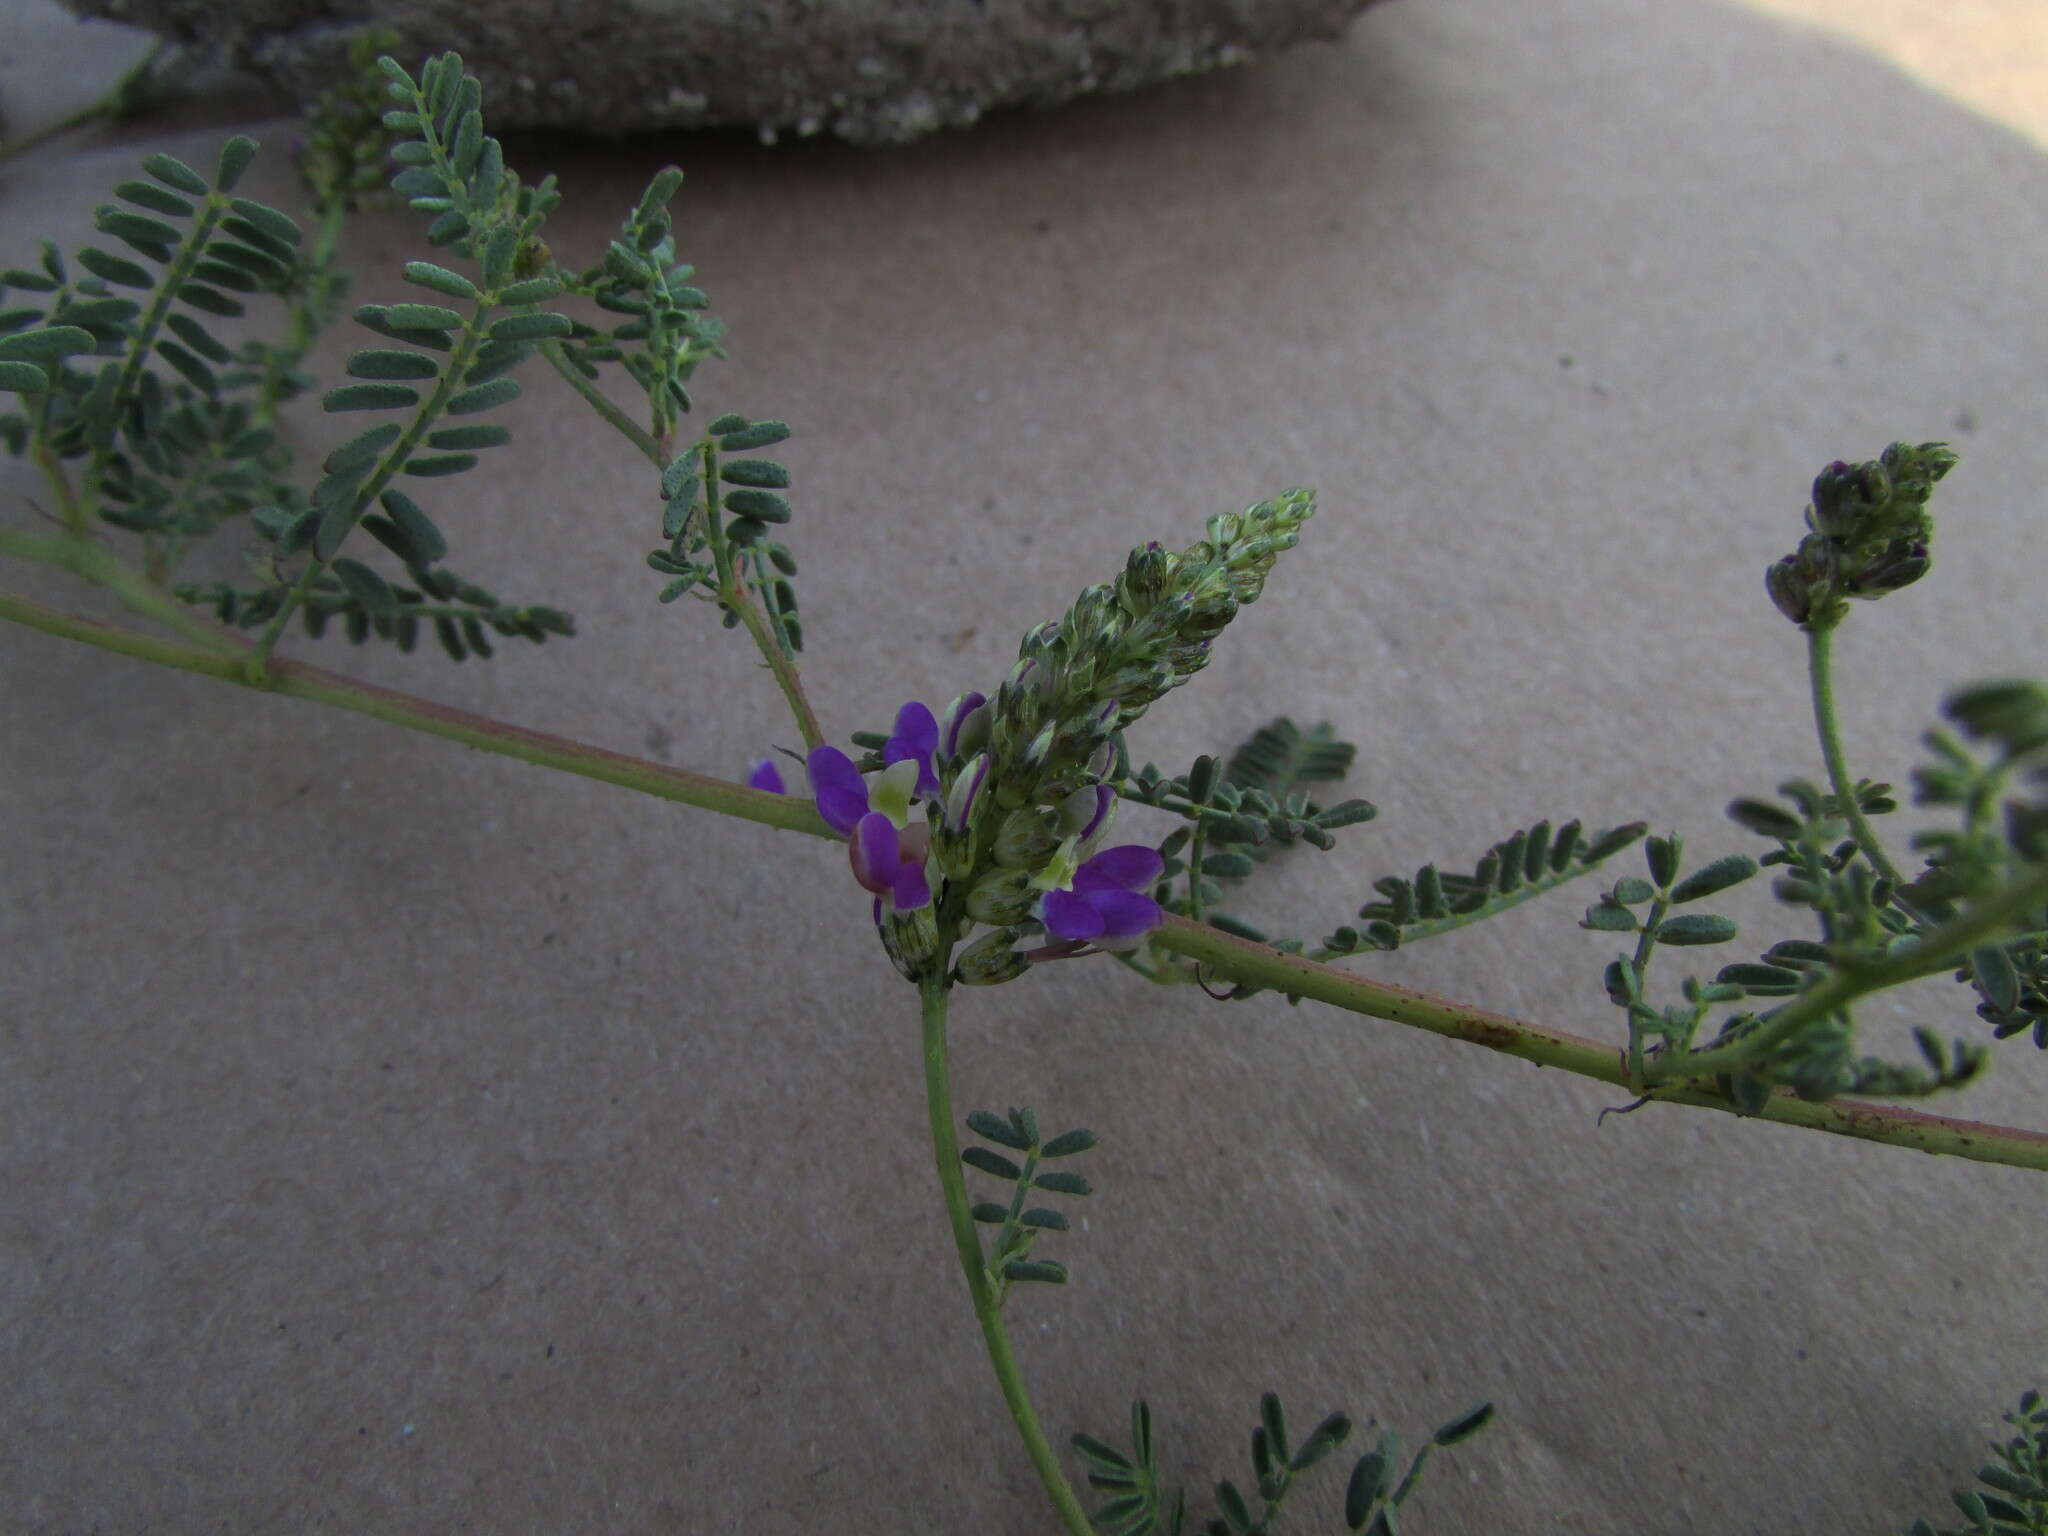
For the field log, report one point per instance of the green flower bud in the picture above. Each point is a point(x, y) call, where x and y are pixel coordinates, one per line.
point(991, 959)
point(912, 940)
point(1025, 837)
point(1002, 896)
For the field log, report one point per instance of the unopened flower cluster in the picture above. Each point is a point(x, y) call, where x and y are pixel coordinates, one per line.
point(997, 810)
point(1870, 534)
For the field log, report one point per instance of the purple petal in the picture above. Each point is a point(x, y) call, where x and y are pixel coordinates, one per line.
point(1105, 801)
point(1125, 914)
point(917, 736)
point(966, 788)
point(910, 890)
point(767, 776)
point(874, 852)
point(916, 728)
point(1123, 868)
point(1068, 916)
point(841, 794)
point(956, 717)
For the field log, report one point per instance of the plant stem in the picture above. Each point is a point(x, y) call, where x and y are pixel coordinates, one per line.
point(86, 557)
point(1256, 964)
point(309, 313)
point(731, 592)
point(448, 383)
point(599, 402)
point(787, 813)
point(1928, 954)
point(733, 596)
point(938, 1094)
point(1820, 646)
point(1227, 956)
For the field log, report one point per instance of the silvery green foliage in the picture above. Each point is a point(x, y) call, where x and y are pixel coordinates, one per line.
point(152, 425)
point(1139, 1502)
point(2014, 1497)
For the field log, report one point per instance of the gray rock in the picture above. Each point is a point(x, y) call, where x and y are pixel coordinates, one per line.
point(872, 71)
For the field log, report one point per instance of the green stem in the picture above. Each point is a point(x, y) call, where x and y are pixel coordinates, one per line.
point(732, 593)
point(987, 1307)
point(1228, 956)
point(449, 382)
point(1820, 645)
point(730, 590)
point(1256, 965)
point(1933, 952)
point(310, 311)
point(191, 249)
point(787, 813)
point(86, 557)
point(601, 403)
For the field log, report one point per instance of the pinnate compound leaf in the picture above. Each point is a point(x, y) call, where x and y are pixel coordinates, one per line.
point(421, 317)
point(45, 345)
point(278, 226)
point(481, 435)
point(369, 397)
point(196, 336)
point(531, 290)
point(201, 297)
point(235, 156)
point(1041, 1271)
point(152, 237)
point(1609, 917)
point(1273, 1419)
point(361, 450)
point(1695, 928)
point(440, 466)
point(765, 473)
point(451, 284)
point(1098, 1453)
point(1321, 1441)
point(992, 1163)
point(765, 505)
point(1062, 1184)
point(1717, 876)
point(483, 397)
point(419, 529)
point(761, 434)
point(1465, 1425)
point(173, 172)
point(366, 587)
point(389, 363)
point(530, 327)
point(1371, 1480)
point(1996, 977)
point(148, 195)
point(998, 1130)
point(110, 268)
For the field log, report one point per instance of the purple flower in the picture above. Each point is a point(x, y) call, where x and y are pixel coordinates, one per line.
point(916, 738)
point(888, 859)
point(1105, 904)
point(965, 726)
point(891, 863)
point(841, 793)
point(767, 776)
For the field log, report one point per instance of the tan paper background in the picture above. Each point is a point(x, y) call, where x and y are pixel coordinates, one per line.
point(396, 1138)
